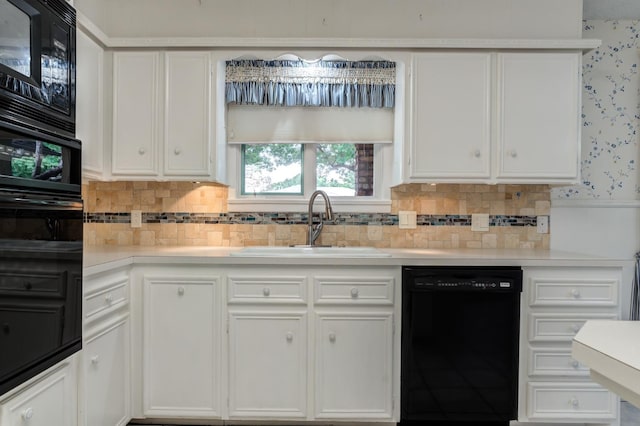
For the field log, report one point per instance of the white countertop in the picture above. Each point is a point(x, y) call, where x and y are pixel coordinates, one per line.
point(611, 350)
point(101, 258)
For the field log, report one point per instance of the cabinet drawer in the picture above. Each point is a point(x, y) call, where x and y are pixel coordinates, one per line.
point(545, 327)
point(337, 290)
point(267, 290)
point(103, 300)
point(569, 292)
point(43, 284)
point(570, 401)
point(554, 362)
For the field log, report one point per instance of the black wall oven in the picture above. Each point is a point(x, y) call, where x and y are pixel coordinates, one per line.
point(37, 64)
point(41, 222)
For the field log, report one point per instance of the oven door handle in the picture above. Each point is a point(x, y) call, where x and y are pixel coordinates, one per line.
point(17, 202)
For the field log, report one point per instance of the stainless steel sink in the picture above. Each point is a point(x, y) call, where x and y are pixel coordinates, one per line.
point(307, 251)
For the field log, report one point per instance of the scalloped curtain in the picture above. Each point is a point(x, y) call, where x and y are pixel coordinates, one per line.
point(320, 83)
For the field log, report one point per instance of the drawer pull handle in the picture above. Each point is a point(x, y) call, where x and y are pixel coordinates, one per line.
point(180, 291)
point(95, 360)
point(574, 402)
point(289, 336)
point(332, 337)
point(108, 298)
point(27, 414)
point(266, 291)
point(575, 293)
point(354, 292)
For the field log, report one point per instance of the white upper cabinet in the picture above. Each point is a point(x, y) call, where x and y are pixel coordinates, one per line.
point(162, 115)
point(494, 117)
point(538, 110)
point(451, 132)
point(89, 104)
point(187, 112)
point(135, 113)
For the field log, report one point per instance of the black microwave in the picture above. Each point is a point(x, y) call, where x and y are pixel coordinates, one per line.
point(37, 64)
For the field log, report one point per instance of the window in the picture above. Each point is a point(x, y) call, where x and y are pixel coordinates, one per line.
point(341, 169)
point(288, 135)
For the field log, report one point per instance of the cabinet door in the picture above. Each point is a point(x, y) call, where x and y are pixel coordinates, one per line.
point(180, 347)
point(267, 365)
point(106, 373)
point(451, 130)
point(48, 400)
point(89, 101)
point(187, 114)
point(354, 365)
point(135, 113)
point(538, 116)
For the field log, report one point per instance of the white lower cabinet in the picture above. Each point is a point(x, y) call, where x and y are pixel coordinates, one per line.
point(267, 364)
point(48, 399)
point(354, 360)
point(107, 375)
point(556, 302)
point(180, 345)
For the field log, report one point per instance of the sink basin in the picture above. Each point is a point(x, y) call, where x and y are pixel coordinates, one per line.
point(306, 251)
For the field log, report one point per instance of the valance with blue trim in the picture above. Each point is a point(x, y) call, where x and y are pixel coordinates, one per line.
point(302, 83)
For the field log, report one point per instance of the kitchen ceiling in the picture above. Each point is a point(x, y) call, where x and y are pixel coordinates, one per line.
point(611, 9)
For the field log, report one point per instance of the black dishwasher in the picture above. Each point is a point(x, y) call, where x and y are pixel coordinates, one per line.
point(460, 332)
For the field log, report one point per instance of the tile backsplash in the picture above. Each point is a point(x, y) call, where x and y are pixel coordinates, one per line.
point(186, 213)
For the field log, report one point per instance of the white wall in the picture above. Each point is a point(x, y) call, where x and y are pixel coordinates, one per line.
point(336, 18)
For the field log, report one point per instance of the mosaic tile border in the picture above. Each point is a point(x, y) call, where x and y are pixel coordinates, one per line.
point(384, 219)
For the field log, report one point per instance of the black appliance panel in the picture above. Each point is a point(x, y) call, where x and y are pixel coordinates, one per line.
point(460, 329)
point(40, 282)
point(37, 64)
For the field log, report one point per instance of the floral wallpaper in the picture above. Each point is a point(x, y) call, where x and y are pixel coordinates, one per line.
point(610, 114)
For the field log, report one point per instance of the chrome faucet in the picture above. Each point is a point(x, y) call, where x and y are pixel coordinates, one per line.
point(314, 230)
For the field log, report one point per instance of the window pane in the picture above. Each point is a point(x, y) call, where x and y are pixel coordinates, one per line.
point(345, 169)
point(272, 169)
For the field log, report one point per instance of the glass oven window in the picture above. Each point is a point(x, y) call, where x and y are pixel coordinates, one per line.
point(15, 38)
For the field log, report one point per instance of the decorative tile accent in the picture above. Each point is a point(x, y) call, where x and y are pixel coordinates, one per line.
point(184, 213)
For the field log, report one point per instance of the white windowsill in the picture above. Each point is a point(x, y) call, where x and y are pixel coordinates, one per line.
point(252, 204)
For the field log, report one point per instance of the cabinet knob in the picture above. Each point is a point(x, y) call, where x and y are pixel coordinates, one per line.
point(477, 153)
point(27, 413)
point(574, 402)
point(141, 151)
point(575, 293)
point(332, 337)
point(513, 153)
point(289, 336)
point(95, 360)
point(177, 151)
point(108, 299)
point(354, 292)
point(266, 291)
point(180, 291)
point(576, 327)
point(575, 364)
